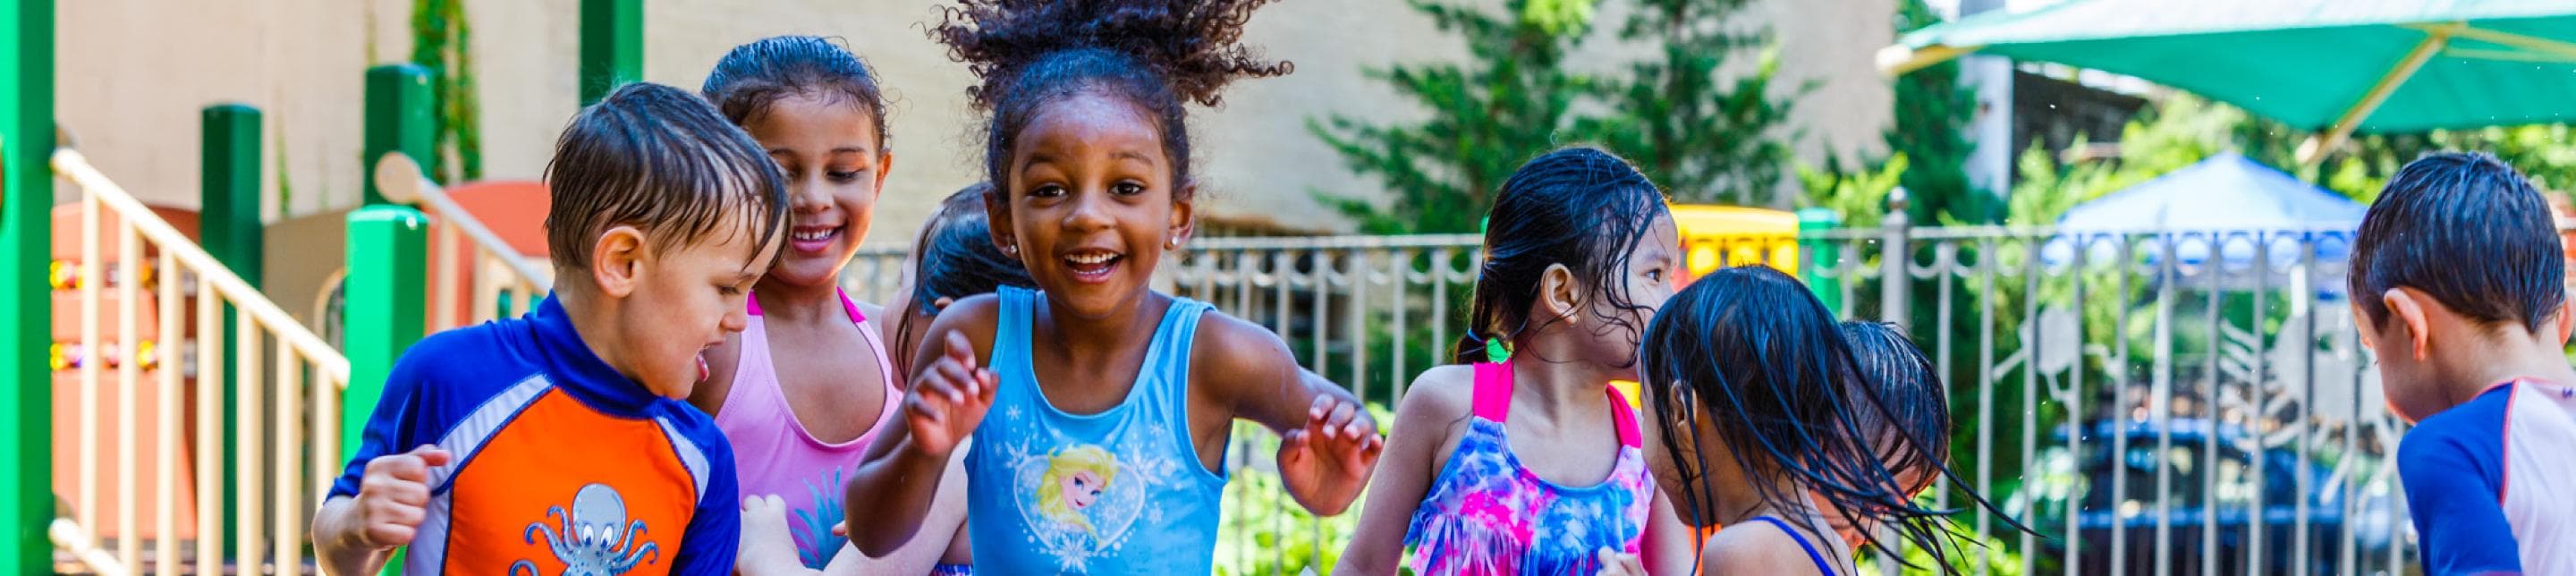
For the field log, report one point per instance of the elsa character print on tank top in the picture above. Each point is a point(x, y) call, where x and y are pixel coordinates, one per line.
point(1121, 491)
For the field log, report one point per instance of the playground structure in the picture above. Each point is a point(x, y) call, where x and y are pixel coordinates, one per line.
point(193, 423)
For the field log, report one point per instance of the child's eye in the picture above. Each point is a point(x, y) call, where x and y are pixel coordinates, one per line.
point(1655, 274)
point(1046, 191)
point(1127, 189)
point(728, 290)
point(842, 177)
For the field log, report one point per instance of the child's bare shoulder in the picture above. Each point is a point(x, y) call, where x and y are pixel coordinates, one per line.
point(1226, 347)
point(1754, 548)
point(871, 310)
point(1444, 393)
point(977, 313)
point(978, 317)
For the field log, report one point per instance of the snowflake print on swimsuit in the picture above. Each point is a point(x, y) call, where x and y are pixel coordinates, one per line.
point(596, 539)
point(1083, 501)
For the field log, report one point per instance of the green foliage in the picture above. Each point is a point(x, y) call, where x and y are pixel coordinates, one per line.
point(1997, 554)
point(1264, 531)
point(1861, 198)
point(441, 41)
point(1704, 140)
point(1515, 98)
point(2359, 169)
point(1932, 111)
point(1487, 116)
point(285, 181)
point(1558, 17)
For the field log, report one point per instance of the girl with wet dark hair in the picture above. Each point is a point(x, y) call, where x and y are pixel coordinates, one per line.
point(953, 258)
point(1766, 425)
point(1895, 369)
point(1533, 464)
point(1113, 461)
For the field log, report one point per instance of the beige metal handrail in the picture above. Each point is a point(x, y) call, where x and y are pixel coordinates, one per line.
point(191, 289)
point(497, 270)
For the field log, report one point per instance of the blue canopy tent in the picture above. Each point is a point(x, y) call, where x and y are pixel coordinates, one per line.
point(2227, 204)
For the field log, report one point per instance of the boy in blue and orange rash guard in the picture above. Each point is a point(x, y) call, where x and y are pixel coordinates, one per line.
point(559, 442)
point(2472, 355)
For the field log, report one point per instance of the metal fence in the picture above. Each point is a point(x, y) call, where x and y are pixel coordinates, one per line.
point(2171, 402)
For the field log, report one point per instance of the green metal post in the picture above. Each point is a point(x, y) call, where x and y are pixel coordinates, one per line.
point(612, 46)
point(228, 217)
point(26, 299)
point(388, 269)
point(1821, 252)
point(384, 311)
point(398, 119)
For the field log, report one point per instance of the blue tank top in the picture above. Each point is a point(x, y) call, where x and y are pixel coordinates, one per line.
point(1117, 492)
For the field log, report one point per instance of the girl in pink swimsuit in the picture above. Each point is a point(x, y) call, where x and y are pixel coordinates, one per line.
point(808, 385)
point(1531, 464)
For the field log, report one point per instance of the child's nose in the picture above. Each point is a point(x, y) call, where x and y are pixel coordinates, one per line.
point(736, 319)
point(808, 194)
point(1090, 212)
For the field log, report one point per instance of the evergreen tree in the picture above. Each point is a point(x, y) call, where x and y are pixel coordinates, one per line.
point(1704, 139)
point(1929, 130)
point(1488, 115)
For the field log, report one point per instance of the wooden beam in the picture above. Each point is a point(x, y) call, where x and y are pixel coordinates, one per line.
point(2532, 44)
point(1896, 60)
point(2434, 39)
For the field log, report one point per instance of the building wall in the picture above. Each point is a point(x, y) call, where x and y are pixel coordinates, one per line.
point(135, 72)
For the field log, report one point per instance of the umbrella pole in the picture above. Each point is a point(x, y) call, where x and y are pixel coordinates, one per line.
point(1898, 60)
point(2434, 38)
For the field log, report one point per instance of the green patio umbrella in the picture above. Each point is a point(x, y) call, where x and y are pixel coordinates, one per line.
point(2334, 66)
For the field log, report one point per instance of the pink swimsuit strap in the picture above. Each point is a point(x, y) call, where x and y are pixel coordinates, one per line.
point(1493, 401)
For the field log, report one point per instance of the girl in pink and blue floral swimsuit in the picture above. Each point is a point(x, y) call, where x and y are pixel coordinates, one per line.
point(1523, 459)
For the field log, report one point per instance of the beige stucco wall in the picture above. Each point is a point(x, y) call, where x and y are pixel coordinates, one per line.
point(132, 76)
point(135, 72)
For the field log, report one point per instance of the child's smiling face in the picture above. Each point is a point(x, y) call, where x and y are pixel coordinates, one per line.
point(1091, 203)
point(826, 145)
point(681, 301)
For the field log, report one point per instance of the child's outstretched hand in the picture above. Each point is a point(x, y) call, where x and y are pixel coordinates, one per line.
point(1329, 460)
point(949, 398)
point(393, 496)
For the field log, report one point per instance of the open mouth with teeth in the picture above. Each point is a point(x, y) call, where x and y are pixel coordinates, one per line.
point(812, 239)
point(1093, 266)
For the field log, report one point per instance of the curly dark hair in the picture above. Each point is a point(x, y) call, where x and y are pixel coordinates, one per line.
point(1156, 54)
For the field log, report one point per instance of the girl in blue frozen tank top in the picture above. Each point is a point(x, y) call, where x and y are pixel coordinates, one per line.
point(1099, 407)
